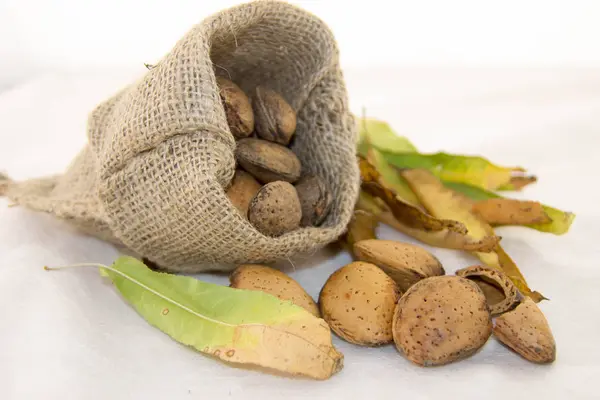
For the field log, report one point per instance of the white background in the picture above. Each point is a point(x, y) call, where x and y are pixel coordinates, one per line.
point(37, 34)
point(517, 81)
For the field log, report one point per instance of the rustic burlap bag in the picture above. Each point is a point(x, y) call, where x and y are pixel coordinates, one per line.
point(160, 154)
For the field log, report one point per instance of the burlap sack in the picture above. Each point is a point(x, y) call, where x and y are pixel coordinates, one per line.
point(160, 154)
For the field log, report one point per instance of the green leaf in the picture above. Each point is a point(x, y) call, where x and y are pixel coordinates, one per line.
point(380, 135)
point(561, 220)
point(473, 170)
point(238, 326)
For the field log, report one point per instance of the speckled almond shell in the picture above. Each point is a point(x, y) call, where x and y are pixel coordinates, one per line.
point(526, 331)
point(440, 320)
point(267, 161)
point(405, 263)
point(238, 109)
point(275, 209)
point(272, 281)
point(275, 118)
point(501, 294)
point(357, 301)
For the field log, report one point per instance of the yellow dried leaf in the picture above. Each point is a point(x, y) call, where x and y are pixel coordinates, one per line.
point(443, 238)
point(405, 213)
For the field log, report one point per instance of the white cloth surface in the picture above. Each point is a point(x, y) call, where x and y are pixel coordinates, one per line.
point(68, 335)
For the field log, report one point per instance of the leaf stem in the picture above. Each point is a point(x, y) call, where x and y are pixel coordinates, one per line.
point(133, 280)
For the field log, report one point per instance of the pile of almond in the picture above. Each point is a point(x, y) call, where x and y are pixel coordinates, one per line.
point(268, 188)
point(398, 292)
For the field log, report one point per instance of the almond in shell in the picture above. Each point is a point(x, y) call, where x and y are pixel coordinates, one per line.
point(405, 263)
point(242, 190)
point(267, 161)
point(275, 209)
point(440, 320)
point(526, 331)
point(358, 302)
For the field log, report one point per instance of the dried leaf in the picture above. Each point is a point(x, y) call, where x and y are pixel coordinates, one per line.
point(560, 220)
point(511, 212)
point(473, 170)
point(405, 213)
point(444, 238)
point(443, 202)
point(518, 182)
point(391, 179)
point(235, 325)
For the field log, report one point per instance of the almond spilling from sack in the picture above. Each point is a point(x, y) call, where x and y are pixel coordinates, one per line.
point(501, 294)
point(440, 320)
point(358, 303)
point(526, 331)
point(274, 282)
point(405, 263)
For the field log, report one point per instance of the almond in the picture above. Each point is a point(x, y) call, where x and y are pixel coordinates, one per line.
point(440, 320)
point(242, 190)
point(358, 302)
point(274, 282)
point(238, 109)
point(501, 294)
point(526, 331)
point(275, 209)
point(267, 161)
point(405, 263)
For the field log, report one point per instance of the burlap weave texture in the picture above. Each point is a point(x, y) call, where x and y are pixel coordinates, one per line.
point(160, 155)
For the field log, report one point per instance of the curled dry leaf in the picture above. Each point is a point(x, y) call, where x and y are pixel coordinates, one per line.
point(444, 238)
point(391, 179)
point(526, 331)
point(443, 202)
point(501, 294)
point(238, 326)
point(358, 302)
point(405, 213)
point(511, 212)
point(405, 263)
point(272, 281)
point(362, 226)
point(440, 320)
